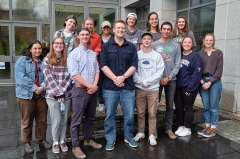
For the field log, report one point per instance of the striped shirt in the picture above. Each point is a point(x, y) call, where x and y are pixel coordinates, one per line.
point(83, 62)
point(57, 79)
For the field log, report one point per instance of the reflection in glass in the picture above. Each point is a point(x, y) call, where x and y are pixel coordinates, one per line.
point(31, 10)
point(184, 13)
point(4, 41)
point(4, 9)
point(182, 4)
point(102, 14)
point(62, 11)
point(45, 35)
point(202, 22)
point(5, 70)
point(198, 2)
point(146, 11)
point(23, 35)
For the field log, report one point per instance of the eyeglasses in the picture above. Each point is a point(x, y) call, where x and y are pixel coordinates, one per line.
point(58, 43)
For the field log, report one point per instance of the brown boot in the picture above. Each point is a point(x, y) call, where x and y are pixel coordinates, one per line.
point(78, 152)
point(171, 135)
point(92, 144)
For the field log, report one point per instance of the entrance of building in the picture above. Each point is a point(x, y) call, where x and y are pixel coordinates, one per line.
point(15, 35)
point(14, 39)
point(98, 11)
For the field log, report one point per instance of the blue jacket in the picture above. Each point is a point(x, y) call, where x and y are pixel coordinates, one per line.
point(25, 75)
point(119, 59)
point(190, 72)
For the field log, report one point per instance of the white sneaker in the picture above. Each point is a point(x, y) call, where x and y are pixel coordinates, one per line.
point(152, 140)
point(185, 132)
point(101, 107)
point(180, 129)
point(139, 136)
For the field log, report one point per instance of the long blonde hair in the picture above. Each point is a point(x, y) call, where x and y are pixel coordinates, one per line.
point(83, 24)
point(52, 56)
point(213, 46)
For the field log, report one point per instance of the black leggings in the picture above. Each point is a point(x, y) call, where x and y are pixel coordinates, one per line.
point(184, 107)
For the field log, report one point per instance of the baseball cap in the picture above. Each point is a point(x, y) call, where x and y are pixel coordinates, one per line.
point(106, 23)
point(72, 17)
point(146, 33)
point(132, 14)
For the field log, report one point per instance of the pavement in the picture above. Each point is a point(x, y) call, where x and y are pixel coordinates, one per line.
point(225, 145)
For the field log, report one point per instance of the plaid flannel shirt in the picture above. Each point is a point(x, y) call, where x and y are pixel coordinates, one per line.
point(58, 80)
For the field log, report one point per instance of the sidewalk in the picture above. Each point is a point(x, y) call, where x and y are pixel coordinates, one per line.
point(226, 144)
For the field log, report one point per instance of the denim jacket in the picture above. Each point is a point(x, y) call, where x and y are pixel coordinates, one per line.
point(25, 75)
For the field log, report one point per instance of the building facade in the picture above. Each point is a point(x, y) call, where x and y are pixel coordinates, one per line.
point(220, 17)
point(22, 21)
point(25, 20)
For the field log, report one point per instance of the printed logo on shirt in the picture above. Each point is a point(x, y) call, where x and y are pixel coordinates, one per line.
point(199, 69)
point(134, 40)
point(178, 39)
point(163, 51)
point(184, 62)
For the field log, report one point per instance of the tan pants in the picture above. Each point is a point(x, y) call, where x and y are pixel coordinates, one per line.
point(36, 108)
point(147, 100)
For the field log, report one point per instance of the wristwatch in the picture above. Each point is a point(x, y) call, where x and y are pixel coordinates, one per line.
point(124, 76)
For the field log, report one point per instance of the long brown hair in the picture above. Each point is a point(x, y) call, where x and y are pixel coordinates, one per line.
point(184, 31)
point(83, 24)
point(77, 41)
point(149, 25)
point(213, 46)
point(52, 56)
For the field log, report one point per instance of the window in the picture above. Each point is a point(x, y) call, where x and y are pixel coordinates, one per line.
point(4, 10)
point(102, 14)
point(200, 15)
point(30, 10)
point(142, 16)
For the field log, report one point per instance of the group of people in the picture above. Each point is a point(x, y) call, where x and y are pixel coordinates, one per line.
point(128, 67)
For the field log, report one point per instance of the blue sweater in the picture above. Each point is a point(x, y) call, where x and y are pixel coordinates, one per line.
point(190, 72)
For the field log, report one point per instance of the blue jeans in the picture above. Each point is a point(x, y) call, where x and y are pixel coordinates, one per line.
point(210, 99)
point(127, 101)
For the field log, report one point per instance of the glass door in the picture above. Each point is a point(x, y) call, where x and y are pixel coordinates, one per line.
point(23, 34)
point(6, 57)
point(62, 9)
point(101, 12)
point(14, 39)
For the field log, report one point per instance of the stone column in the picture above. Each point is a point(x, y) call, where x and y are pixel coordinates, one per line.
point(227, 32)
point(166, 10)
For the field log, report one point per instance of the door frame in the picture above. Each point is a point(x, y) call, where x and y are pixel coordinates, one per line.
point(13, 58)
point(52, 17)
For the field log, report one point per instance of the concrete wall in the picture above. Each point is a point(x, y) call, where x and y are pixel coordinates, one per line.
point(166, 9)
point(227, 32)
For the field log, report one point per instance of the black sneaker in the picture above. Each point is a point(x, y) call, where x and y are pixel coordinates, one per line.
point(28, 147)
point(45, 144)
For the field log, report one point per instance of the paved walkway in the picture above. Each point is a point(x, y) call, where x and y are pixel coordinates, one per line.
point(225, 145)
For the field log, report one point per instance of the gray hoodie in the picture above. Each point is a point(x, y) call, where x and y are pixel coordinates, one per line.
point(134, 37)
